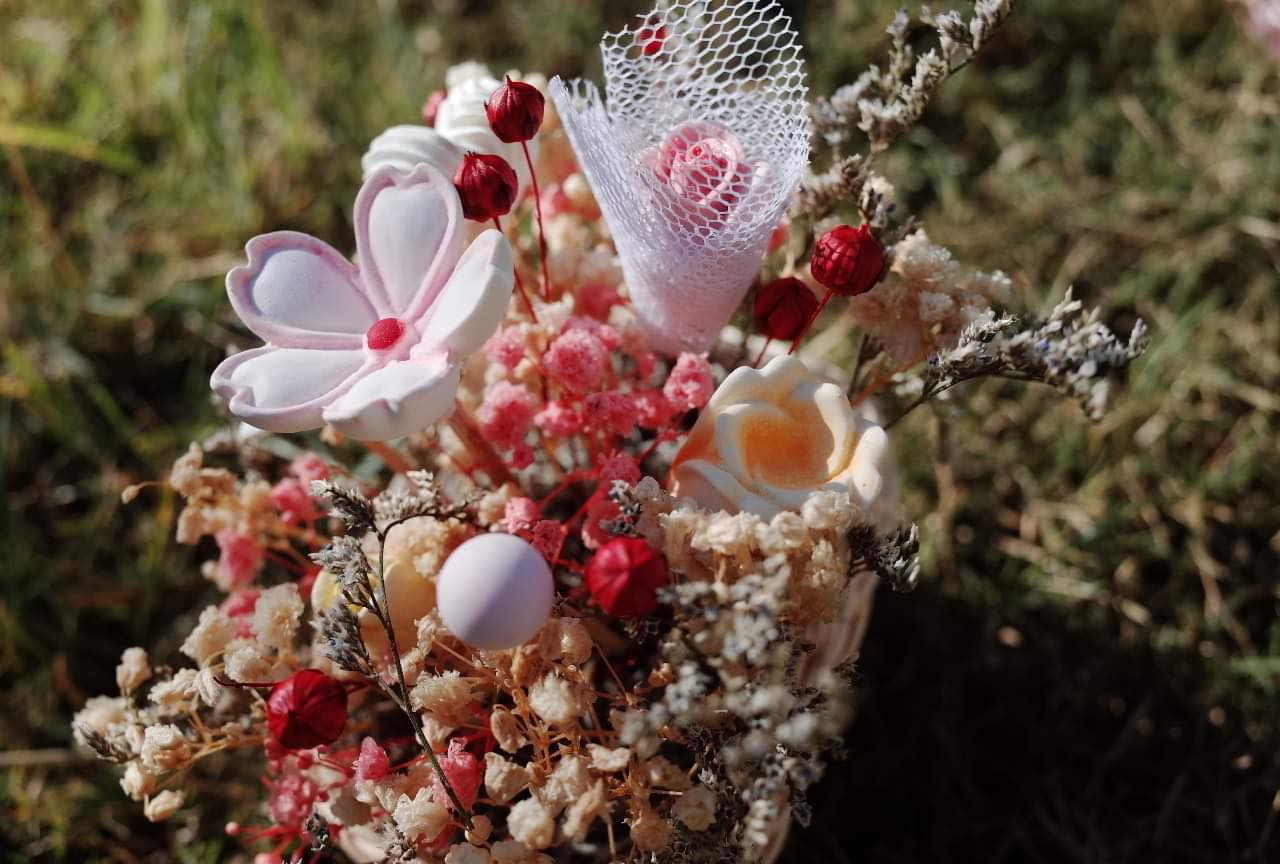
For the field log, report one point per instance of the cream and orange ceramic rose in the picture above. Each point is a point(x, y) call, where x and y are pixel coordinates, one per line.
point(772, 437)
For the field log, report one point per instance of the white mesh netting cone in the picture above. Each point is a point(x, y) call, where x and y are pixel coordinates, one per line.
point(703, 142)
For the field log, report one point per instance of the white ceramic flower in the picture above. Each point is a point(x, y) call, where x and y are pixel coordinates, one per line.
point(770, 438)
point(373, 350)
point(461, 125)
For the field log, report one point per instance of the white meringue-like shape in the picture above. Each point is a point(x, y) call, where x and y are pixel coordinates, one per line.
point(403, 147)
point(461, 126)
point(770, 438)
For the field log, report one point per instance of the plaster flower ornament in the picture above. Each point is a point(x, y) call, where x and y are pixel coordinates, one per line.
point(461, 125)
point(770, 438)
point(695, 158)
point(373, 349)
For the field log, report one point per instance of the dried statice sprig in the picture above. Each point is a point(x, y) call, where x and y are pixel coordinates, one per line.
point(848, 179)
point(893, 557)
point(886, 103)
point(339, 631)
point(1071, 351)
point(761, 725)
point(103, 747)
point(629, 511)
point(355, 510)
point(318, 829)
point(422, 498)
point(345, 557)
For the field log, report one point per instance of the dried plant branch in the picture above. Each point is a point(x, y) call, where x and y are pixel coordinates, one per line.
point(1071, 351)
point(886, 103)
point(892, 556)
point(345, 558)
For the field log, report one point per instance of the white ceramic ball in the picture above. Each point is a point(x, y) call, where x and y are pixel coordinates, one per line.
point(495, 592)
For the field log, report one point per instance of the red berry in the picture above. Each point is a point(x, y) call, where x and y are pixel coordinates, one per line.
point(624, 577)
point(307, 709)
point(487, 186)
point(515, 111)
point(783, 307)
point(848, 260)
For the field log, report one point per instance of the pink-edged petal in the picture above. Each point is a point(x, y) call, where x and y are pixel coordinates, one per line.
point(300, 292)
point(474, 301)
point(396, 400)
point(408, 236)
point(286, 389)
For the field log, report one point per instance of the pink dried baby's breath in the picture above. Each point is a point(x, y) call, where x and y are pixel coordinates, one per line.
point(506, 347)
point(618, 466)
point(239, 607)
point(608, 335)
point(690, 383)
point(294, 502)
point(310, 467)
point(548, 537)
point(577, 359)
point(653, 411)
point(646, 363)
point(293, 798)
point(617, 412)
point(373, 762)
point(596, 299)
point(560, 419)
point(464, 771)
point(239, 560)
point(506, 414)
point(522, 456)
point(520, 515)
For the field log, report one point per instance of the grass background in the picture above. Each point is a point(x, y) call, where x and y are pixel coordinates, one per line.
point(1090, 670)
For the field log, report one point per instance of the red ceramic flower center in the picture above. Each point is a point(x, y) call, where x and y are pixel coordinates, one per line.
point(384, 333)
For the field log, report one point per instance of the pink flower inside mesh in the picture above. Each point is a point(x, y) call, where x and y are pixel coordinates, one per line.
point(695, 156)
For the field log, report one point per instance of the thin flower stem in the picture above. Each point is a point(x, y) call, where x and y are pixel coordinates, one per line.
point(385, 619)
point(768, 340)
point(390, 457)
point(942, 387)
point(572, 477)
point(477, 446)
point(795, 343)
point(519, 284)
point(542, 234)
point(857, 363)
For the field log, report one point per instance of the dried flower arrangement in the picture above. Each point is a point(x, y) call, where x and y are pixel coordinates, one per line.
point(602, 599)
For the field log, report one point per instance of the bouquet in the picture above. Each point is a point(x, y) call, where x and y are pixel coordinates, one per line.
point(578, 565)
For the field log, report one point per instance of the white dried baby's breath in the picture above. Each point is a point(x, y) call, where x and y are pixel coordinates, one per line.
point(210, 636)
point(530, 823)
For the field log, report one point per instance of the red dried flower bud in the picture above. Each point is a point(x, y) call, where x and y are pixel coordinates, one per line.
point(515, 111)
point(307, 709)
point(783, 307)
point(848, 260)
point(625, 575)
point(487, 186)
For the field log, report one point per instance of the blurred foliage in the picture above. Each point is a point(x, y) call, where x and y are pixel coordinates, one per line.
point(1090, 671)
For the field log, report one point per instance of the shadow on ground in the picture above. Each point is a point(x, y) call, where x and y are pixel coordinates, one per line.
point(1069, 745)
